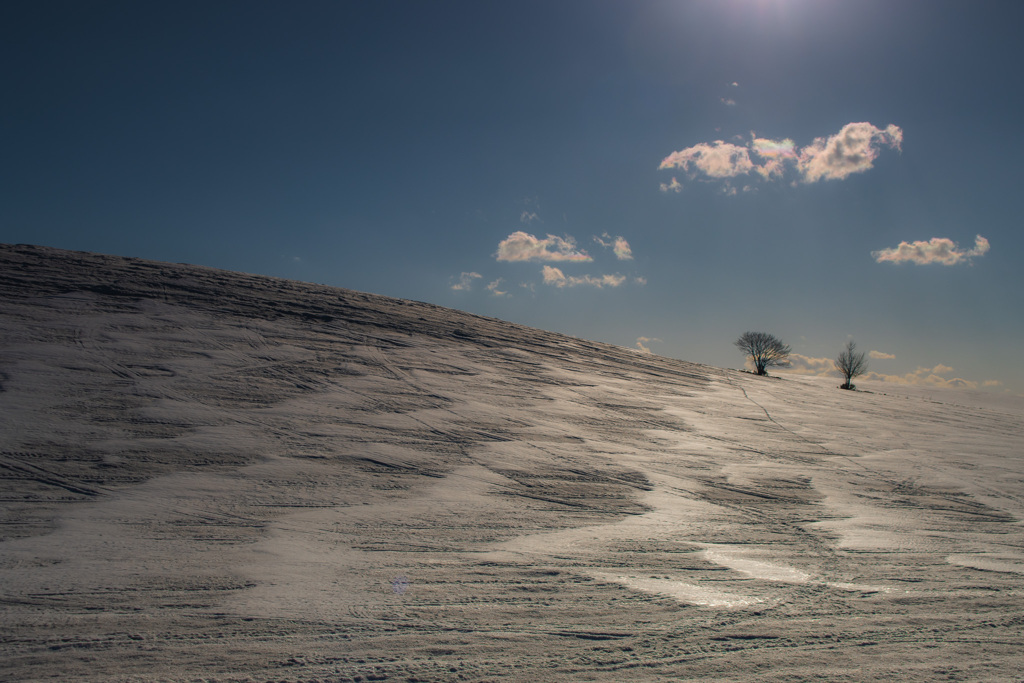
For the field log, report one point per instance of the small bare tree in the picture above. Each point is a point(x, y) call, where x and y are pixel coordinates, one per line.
point(851, 364)
point(765, 350)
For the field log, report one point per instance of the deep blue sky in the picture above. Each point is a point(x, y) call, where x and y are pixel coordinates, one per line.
point(392, 147)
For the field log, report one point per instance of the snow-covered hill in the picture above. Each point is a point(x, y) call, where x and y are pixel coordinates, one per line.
point(216, 476)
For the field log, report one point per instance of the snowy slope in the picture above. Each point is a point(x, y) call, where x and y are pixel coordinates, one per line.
point(216, 476)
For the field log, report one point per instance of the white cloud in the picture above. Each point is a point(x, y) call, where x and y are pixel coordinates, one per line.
point(528, 217)
point(465, 282)
point(603, 281)
point(716, 160)
point(495, 288)
point(674, 186)
point(852, 150)
point(622, 250)
point(936, 250)
point(800, 364)
point(556, 278)
point(642, 343)
point(773, 156)
point(619, 246)
point(728, 101)
point(928, 377)
point(824, 367)
point(522, 246)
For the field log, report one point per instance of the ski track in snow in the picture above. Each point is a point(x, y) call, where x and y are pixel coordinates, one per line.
point(218, 476)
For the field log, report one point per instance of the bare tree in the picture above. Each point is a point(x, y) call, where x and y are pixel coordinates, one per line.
point(765, 350)
point(851, 364)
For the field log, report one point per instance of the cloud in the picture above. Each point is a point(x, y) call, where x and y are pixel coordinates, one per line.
point(556, 278)
point(823, 367)
point(773, 155)
point(674, 186)
point(622, 250)
point(852, 150)
point(800, 364)
point(465, 282)
point(728, 101)
point(920, 377)
point(619, 246)
point(528, 217)
point(494, 288)
point(774, 149)
point(927, 377)
point(716, 160)
point(522, 246)
point(936, 250)
point(642, 342)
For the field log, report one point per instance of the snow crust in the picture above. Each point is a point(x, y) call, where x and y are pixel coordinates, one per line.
point(219, 476)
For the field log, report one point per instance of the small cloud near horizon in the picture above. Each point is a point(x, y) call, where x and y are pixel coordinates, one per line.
point(922, 376)
point(800, 364)
point(556, 278)
point(465, 281)
point(522, 246)
point(880, 355)
point(930, 377)
point(494, 288)
point(643, 342)
point(939, 250)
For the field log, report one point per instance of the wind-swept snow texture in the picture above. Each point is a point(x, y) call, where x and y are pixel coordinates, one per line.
point(216, 476)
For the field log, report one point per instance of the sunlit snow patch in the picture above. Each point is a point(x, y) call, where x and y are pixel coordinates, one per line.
point(989, 563)
point(727, 556)
point(683, 592)
point(858, 587)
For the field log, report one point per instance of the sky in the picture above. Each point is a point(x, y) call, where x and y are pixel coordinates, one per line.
point(662, 175)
